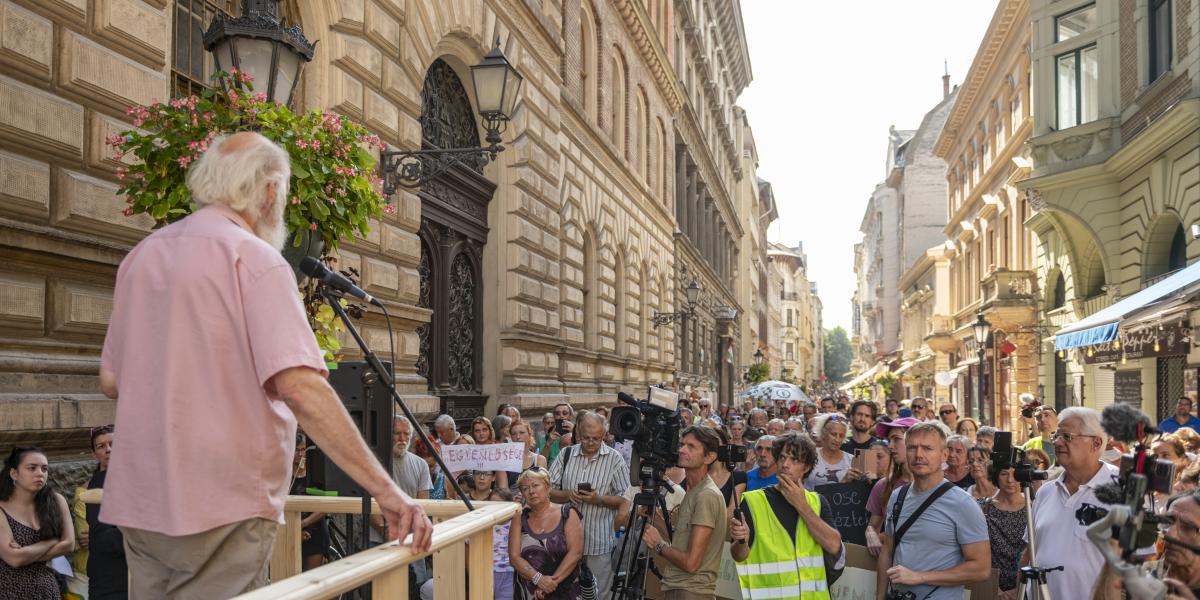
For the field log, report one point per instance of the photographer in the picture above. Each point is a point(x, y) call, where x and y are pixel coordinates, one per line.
point(942, 547)
point(1061, 536)
point(693, 556)
point(1042, 436)
point(561, 435)
point(592, 477)
point(785, 526)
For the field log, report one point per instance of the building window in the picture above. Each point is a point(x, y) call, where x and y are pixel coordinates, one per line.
point(1074, 23)
point(1160, 38)
point(193, 66)
point(1076, 87)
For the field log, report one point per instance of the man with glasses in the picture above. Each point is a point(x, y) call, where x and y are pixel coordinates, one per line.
point(1184, 564)
point(704, 411)
point(1061, 536)
point(862, 424)
point(920, 409)
point(1182, 418)
point(593, 477)
point(949, 416)
point(1047, 424)
point(766, 472)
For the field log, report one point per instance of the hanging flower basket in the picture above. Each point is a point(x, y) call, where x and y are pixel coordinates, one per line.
point(333, 193)
point(333, 190)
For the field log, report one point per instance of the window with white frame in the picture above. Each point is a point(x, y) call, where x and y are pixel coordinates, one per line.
point(1160, 38)
point(1076, 72)
point(1077, 85)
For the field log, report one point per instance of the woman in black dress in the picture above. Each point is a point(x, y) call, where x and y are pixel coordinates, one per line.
point(1006, 520)
point(108, 573)
point(36, 527)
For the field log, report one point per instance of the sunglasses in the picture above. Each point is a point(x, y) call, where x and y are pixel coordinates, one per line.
point(947, 412)
point(918, 407)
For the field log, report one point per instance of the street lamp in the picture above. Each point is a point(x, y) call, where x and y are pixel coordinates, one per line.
point(758, 356)
point(497, 86)
point(982, 329)
point(258, 45)
point(692, 294)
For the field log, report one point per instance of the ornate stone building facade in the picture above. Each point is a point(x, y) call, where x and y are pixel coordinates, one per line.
point(757, 210)
point(802, 337)
point(531, 280)
point(983, 144)
point(712, 62)
point(1113, 194)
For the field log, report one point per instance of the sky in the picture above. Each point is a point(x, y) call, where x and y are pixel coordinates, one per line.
point(829, 79)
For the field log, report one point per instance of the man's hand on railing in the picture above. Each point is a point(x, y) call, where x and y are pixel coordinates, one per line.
point(405, 516)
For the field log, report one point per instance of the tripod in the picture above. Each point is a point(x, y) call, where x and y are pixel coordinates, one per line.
point(629, 581)
point(1032, 579)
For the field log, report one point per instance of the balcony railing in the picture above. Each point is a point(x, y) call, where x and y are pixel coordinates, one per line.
point(1091, 306)
point(385, 567)
point(790, 295)
point(1004, 286)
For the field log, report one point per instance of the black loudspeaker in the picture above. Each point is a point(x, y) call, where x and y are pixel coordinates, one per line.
point(365, 396)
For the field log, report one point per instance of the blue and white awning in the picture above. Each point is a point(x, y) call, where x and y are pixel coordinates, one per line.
point(1102, 326)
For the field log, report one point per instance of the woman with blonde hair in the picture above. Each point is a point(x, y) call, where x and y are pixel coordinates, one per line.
point(521, 432)
point(545, 542)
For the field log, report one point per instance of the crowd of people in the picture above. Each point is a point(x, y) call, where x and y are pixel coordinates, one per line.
point(941, 513)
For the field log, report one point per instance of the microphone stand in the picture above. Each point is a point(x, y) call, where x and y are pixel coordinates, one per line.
point(390, 382)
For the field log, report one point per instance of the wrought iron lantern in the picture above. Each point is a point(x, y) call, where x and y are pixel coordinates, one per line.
point(758, 356)
point(692, 294)
point(982, 329)
point(257, 43)
point(497, 87)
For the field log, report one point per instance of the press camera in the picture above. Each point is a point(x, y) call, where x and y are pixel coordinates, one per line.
point(1006, 456)
point(653, 425)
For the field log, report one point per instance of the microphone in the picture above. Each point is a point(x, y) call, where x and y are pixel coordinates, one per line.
point(313, 268)
point(1125, 423)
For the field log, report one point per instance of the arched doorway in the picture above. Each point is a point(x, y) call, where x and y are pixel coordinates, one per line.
point(453, 232)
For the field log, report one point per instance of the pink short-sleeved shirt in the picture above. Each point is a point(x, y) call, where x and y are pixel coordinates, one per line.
point(204, 314)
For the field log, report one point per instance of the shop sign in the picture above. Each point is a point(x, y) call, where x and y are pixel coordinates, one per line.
point(1172, 340)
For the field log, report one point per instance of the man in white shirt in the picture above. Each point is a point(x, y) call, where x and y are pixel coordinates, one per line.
point(1060, 536)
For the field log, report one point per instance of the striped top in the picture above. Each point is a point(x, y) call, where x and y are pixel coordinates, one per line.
point(609, 476)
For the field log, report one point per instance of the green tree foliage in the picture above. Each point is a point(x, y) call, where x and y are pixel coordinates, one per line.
point(838, 354)
point(759, 373)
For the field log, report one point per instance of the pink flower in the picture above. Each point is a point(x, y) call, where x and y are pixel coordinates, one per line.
point(295, 200)
point(389, 209)
point(316, 144)
point(138, 122)
point(128, 212)
point(233, 96)
point(260, 97)
point(312, 226)
point(121, 173)
point(301, 144)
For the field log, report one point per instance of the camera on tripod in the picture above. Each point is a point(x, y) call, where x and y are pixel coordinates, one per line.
point(1006, 456)
point(731, 455)
point(653, 425)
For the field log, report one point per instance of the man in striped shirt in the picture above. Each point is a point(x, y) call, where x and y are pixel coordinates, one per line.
point(593, 477)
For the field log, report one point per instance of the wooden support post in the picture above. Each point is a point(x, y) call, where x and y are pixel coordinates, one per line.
point(391, 585)
point(449, 566)
point(480, 561)
point(285, 554)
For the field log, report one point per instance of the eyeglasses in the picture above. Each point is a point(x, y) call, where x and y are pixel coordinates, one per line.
point(947, 412)
point(1068, 437)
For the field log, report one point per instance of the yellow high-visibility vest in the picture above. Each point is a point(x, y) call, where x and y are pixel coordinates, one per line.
point(777, 569)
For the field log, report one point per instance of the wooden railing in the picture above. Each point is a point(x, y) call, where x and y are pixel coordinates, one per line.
point(385, 566)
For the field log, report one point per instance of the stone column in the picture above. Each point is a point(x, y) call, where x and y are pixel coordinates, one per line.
point(680, 189)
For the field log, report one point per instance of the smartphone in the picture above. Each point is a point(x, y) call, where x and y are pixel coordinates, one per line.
point(560, 427)
point(584, 487)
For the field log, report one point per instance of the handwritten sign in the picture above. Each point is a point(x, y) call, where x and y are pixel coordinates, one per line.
point(848, 503)
point(487, 457)
point(1127, 387)
point(727, 577)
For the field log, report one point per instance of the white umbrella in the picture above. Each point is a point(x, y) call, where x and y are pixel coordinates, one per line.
point(790, 393)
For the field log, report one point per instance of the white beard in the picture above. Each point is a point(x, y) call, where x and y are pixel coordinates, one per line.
point(270, 227)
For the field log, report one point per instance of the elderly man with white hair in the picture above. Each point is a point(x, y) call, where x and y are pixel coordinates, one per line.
point(212, 361)
point(1061, 537)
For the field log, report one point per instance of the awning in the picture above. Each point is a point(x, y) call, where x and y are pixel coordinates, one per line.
point(904, 367)
point(956, 371)
point(858, 380)
point(1101, 327)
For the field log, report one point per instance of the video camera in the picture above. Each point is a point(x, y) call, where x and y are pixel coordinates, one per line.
point(1029, 404)
point(731, 454)
point(653, 425)
point(1006, 456)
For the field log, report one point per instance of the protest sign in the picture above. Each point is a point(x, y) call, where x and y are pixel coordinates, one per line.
point(848, 503)
point(485, 457)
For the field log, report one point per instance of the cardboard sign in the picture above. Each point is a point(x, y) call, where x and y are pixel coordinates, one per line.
point(486, 457)
point(727, 577)
point(848, 503)
point(869, 461)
